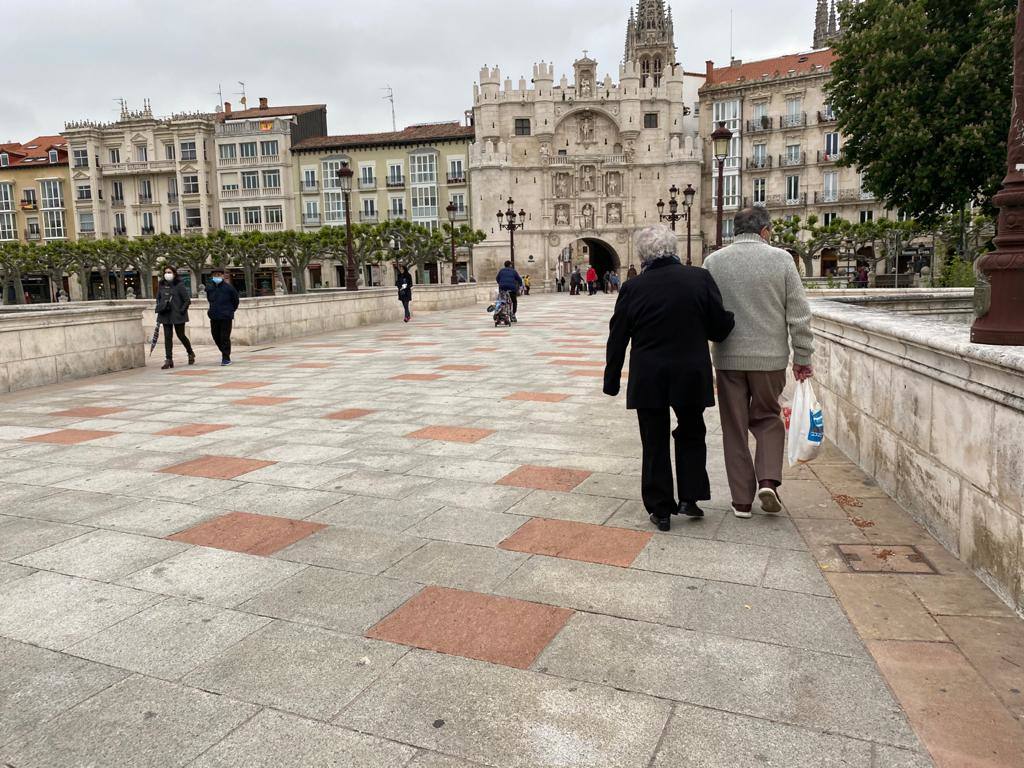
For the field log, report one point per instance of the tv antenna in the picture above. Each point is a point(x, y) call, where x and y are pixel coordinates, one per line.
point(390, 96)
point(243, 100)
point(220, 98)
point(122, 103)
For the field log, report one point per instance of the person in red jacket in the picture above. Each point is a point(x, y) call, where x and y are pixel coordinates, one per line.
point(591, 280)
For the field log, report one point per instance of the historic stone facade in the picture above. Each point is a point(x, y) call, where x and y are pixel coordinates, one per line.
point(587, 161)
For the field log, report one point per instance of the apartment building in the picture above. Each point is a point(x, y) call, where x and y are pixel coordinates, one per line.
point(35, 202)
point(412, 174)
point(142, 175)
point(256, 185)
point(785, 144)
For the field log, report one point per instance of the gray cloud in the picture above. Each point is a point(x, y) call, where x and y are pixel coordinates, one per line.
point(73, 60)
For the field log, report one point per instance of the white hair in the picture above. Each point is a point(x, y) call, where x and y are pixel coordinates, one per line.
point(655, 242)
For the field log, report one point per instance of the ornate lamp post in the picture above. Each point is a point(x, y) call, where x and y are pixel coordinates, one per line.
point(507, 220)
point(1002, 321)
point(721, 138)
point(688, 194)
point(345, 182)
point(451, 210)
point(673, 216)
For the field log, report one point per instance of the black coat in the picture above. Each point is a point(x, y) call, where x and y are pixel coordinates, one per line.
point(669, 313)
point(404, 294)
point(223, 299)
point(172, 302)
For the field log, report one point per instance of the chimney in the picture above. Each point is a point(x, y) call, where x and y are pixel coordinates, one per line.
point(263, 102)
point(736, 63)
point(227, 107)
point(709, 68)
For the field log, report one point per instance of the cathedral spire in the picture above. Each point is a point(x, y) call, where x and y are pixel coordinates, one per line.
point(649, 41)
point(833, 26)
point(821, 24)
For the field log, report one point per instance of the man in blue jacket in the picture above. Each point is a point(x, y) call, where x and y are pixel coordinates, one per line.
point(509, 280)
point(223, 299)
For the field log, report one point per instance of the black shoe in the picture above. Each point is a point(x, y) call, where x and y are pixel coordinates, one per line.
point(663, 523)
point(191, 358)
point(690, 509)
point(167, 364)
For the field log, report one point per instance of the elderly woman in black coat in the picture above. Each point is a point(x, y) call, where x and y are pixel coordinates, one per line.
point(172, 302)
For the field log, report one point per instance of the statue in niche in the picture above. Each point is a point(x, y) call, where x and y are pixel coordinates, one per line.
point(630, 150)
point(587, 178)
point(614, 213)
point(561, 215)
point(613, 183)
point(561, 185)
point(586, 90)
point(545, 152)
point(586, 129)
point(588, 216)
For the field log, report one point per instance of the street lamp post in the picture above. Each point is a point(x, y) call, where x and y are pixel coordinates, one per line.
point(345, 182)
point(507, 220)
point(688, 194)
point(451, 210)
point(721, 138)
point(1002, 321)
point(673, 215)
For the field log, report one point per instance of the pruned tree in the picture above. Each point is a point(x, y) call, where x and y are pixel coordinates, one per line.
point(15, 261)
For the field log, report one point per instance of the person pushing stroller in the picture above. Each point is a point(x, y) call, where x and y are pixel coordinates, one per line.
point(509, 280)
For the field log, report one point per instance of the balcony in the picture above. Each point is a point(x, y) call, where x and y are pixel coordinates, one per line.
point(175, 229)
point(829, 157)
point(194, 230)
point(142, 166)
point(368, 184)
point(228, 162)
point(172, 198)
point(32, 235)
point(147, 231)
point(397, 215)
point(229, 194)
point(117, 202)
point(269, 226)
point(461, 215)
point(777, 201)
point(145, 200)
point(120, 232)
point(81, 201)
point(759, 124)
point(233, 228)
point(29, 205)
point(311, 219)
point(454, 180)
point(368, 217)
point(827, 197)
point(251, 129)
point(274, 226)
point(826, 117)
point(87, 234)
point(793, 121)
point(190, 195)
point(310, 187)
point(395, 182)
point(792, 161)
point(759, 163)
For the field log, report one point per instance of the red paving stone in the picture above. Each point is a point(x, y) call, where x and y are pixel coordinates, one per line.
point(484, 349)
point(562, 354)
point(193, 430)
point(244, 532)
point(451, 434)
point(424, 358)
point(349, 413)
point(461, 367)
point(310, 365)
point(499, 630)
point(69, 436)
point(88, 411)
point(884, 558)
point(578, 541)
point(545, 478)
point(243, 385)
point(257, 400)
point(587, 363)
point(538, 397)
point(418, 377)
point(217, 467)
point(361, 351)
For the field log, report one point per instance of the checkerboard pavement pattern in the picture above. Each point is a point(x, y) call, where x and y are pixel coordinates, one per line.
point(384, 558)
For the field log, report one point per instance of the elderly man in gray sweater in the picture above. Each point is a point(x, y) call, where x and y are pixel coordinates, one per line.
point(761, 287)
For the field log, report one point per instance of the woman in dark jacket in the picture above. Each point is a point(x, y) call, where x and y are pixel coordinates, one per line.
point(403, 282)
point(172, 302)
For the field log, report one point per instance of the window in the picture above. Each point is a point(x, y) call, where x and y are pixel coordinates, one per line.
point(145, 190)
point(227, 151)
point(394, 173)
point(730, 186)
point(366, 175)
point(760, 156)
point(792, 154)
point(272, 179)
point(831, 146)
point(193, 218)
point(829, 218)
point(728, 228)
point(168, 151)
point(759, 191)
point(6, 197)
point(86, 223)
point(115, 155)
point(830, 189)
point(397, 207)
point(650, 120)
point(52, 154)
point(28, 196)
point(176, 222)
point(147, 223)
point(141, 153)
point(232, 217)
point(309, 178)
point(456, 170)
point(459, 201)
point(792, 189)
point(793, 105)
point(250, 180)
point(190, 184)
point(268, 148)
point(253, 216)
point(727, 112)
point(369, 207)
point(866, 216)
point(83, 192)
point(81, 158)
point(188, 150)
point(53, 225)
point(330, 174)
point(423, 169)
point(117, 192)
point(6, 226)
point(33, 228)
point(334, 207)
point(522, 126)
point(5, 160)
point(312, 212)
point(275, 215)
point(760, 110)
point(865, 193)
point(247, 149)
point(828, 113)
point(53, 195)
point(424, 202)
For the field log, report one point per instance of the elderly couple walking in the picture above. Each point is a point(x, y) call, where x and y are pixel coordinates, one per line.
point(749, 300)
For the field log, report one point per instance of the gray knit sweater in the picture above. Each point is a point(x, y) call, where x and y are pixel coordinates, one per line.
point(761, 287)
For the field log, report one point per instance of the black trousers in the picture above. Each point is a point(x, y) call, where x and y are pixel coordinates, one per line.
point(691, 458)
point(169, 343)
point(221, 332)
point(515, 301)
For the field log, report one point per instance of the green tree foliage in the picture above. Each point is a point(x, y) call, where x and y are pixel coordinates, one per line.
point(922, 89)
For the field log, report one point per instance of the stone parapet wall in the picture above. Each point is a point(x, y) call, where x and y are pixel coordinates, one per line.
point(67, 341)
point(936, 420)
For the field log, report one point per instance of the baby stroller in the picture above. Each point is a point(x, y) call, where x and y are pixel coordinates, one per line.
point(502, 309)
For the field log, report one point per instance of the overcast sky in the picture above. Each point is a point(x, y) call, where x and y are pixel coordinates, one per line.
point(70, 59)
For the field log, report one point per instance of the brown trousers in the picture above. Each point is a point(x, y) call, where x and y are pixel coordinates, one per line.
point(749, 401)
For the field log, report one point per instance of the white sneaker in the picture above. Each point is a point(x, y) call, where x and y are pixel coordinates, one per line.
point(770, 501)
point(740, 512)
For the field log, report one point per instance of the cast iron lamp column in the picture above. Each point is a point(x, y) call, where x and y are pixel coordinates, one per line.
point(451, 210)
point(721, 137)
point(688, 194)
point(511, 225)
point(345, 182)
point(673, 207)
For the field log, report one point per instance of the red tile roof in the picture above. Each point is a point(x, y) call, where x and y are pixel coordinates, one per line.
point(414, 134)
point(254, 112)
point(800, 63)
point(36, 151)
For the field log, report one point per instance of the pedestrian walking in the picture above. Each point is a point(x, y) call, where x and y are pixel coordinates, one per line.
point(591, 281)
point(509, 280)
point(403, 282)
point(223, 300)
point(526, 285)
point(172, 303)
point(761, 286)
point(575, 281)
point(631, 272)
point(613, 281)
point(668, 314)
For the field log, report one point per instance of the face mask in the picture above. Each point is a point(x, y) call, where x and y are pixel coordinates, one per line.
point(168, 276)
point(217, 280)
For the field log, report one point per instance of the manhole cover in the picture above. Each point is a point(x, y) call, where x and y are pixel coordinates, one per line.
point(884, 558)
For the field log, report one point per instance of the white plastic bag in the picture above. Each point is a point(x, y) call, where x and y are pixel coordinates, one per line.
point(806, 425)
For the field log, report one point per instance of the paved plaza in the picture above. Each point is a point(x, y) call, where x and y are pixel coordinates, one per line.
point(422, 545)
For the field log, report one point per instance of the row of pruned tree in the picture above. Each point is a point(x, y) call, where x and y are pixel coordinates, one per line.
point(390, 241)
